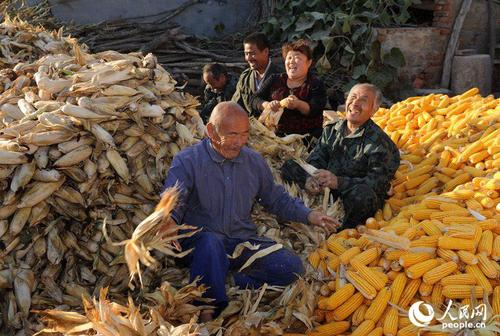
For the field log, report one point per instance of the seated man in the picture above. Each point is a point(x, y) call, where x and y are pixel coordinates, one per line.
point(256, 49)
point(220, 87)
point(219, 180)
point(355, 158)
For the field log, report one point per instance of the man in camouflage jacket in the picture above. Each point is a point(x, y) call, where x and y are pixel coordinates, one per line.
point(355, 158)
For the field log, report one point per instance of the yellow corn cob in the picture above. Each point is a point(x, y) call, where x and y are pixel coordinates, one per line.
point(368, 256)
point(409, 293)
point(461, 231)
point(496, 301)
point(421, 214)
point(414, 182)
point(403, 322)
point(425, 241)
point(487, 266)
point(452, 243)
point(409, 330)
point(473, 204)
point(335, 245)
point(447, 255)
point(393, 254)
point(467, 258)
point(368, 275)
point(359, 315)
point(378, 305)
point(418, 270)
point(457, 210)
point(437, 295)
point(481, 279)
point(496, 249)
point(425, 289)
point(458, 279)
point(364, 328)
point(333, 262)
point(397, 287)
point(338, 298)
point(410, 259)
point(391, 322)
point(486, 243)
point(376, 332)
point(462, 291)
point(459, 220)
point(459, 179)
point(347, 308)
point(349, 254)
point(314, 259)
point(361, 284)
point(387, 212)
point(430, 228)
point(333, 328)
point(436, 274)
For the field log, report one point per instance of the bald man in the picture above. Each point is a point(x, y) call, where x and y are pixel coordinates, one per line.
point(220, 178)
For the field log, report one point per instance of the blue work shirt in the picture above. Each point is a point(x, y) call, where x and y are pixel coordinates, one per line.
point(218, 194)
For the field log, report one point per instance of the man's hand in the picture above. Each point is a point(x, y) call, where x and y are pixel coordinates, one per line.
point(329, 224)
point(312, 186)
point(326, 179)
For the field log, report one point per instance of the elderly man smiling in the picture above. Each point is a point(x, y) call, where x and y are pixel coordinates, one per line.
point(220, 179)
point(355, 158)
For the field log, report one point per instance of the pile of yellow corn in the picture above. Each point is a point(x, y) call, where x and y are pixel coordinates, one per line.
point(438, 236)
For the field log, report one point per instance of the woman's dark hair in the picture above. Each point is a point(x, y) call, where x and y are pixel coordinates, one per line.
point(301, 46)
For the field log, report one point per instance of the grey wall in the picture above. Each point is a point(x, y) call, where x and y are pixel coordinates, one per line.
point(199, 19)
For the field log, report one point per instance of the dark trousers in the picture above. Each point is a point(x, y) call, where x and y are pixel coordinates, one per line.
point(209, 260)
point(359, 200)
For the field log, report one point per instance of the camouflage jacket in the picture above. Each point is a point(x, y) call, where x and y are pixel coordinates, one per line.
point(246, 88)
point(368, 156)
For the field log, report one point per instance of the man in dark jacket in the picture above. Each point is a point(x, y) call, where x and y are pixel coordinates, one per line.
point(256, 48)
point(355, 158)
point(220, 88)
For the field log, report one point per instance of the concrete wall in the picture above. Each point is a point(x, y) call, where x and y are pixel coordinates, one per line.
point(199, 19)
point(423, 48)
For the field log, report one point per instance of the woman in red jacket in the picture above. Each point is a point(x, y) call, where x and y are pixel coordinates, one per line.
point(305, 93)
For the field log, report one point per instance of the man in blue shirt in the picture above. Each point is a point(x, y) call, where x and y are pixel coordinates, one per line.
point(219, 180)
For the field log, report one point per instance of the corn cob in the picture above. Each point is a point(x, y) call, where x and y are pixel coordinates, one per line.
point(487, 266)
point(496, 249)
point(452, 243)
point(462, 291)
point(425, 289)
point(337, 298)
point(496, 301)
point(376, 332)
point(361, 285)
point(481, 279)
point(410, 259)
point(364, 328)
point(409, 330)
point(391, 322)
point(333, 328)
point(437, 295)
point(335, 246)
point(459, 279)
point(349, 254)
point(378, 305)
point(368, 275)
point(409, 292)
point(467, 258)
point(485, 246)
point(436, 274)
point(447, 255)
point(418, 270)
point(359, 315)
point(348, 307)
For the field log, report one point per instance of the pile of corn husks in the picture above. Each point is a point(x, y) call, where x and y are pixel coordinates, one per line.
point(438, 236)
point(87, 138)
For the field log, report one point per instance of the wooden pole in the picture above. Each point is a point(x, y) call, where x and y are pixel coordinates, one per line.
point(452, 43)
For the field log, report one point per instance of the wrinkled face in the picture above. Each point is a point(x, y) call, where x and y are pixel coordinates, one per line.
point(230, 137)
point(296, 64)
point(257, 59)
point(216, 84)
point(360, 105)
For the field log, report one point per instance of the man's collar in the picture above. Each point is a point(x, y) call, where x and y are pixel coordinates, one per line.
point(215, 156)
point(342, 127)
point(267, 68)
